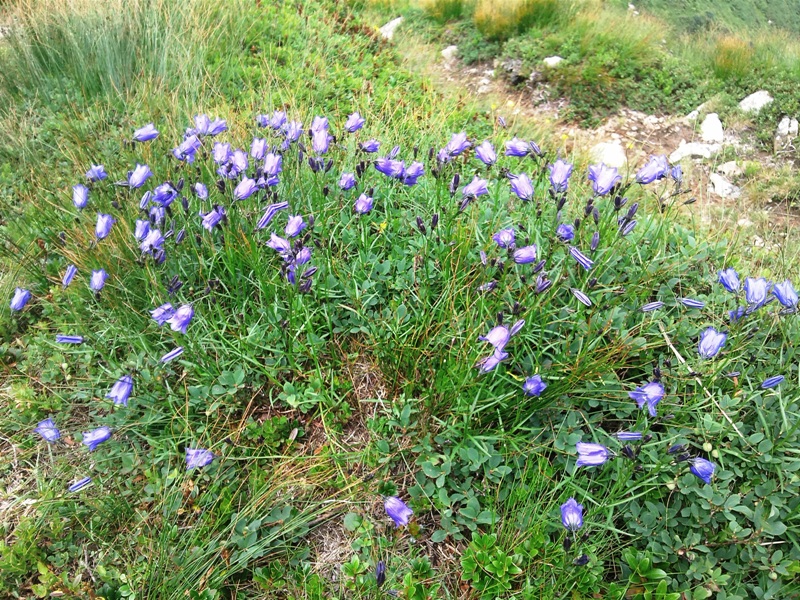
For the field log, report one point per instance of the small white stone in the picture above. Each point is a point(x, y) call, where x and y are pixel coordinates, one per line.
point(449, 53)
point(552, 61)
point(794, 128)
point(387, 31)
point(783, 127)
point(744, 222)
point(694, 150)
point(722, 187)
point(755, 101)
point(730, 169)
point(610, 153)
point(711, 131)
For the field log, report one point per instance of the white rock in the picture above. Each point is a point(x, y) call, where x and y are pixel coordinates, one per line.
point(756, 101)
point(730, 169)
point(722, 187)
point(783, 127)
point(711, 129)
point(610, 153)
point(744, 222)
point(794, 128)
point(631, 6)
point(450, 53)
point(692, 116)
point(552, 61)
point(694, 150)
point(387, 31)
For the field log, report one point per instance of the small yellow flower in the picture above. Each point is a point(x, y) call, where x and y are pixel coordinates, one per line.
point(383, 226)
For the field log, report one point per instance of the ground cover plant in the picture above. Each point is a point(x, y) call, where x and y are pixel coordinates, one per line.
point(277, 338)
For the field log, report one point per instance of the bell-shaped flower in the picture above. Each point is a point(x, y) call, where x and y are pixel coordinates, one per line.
point(525, 255)
point(91, 439)
point(181, 318)
point(656, 168)
point(48, 430)
point(20, 299)
point(98, 280)
point(146, 133)
point(505, 238)
point(139, 176)
point(103, 227)
point(69, 275)
point(363, 204)
point(485, 153)
point(702, 468)
point(711, 342)
point(295, 225)
point(572, 515)
point(729, 279)
point(96, 173)
point(649, 394)
point(121, 390)
point(590, 454)
point(756, 292)
point(354, 123)
point(785, 293)
point(198, 457)
point(603, 178)
point(347, 181)
point(534, 386)
point(397, 510)
point(522, 186)
point(560, 172)
point(163, 313)
point(80, 195)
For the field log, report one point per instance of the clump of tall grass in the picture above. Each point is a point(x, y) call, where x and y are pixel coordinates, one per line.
point(107, 47)
point(732, 58)
point(445, 10)
point(501, 19)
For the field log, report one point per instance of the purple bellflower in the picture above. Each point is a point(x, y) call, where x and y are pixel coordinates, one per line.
point(603, 178)
point(270, 213)
point(702, 468)
point(786, 294)
point(80, 484)
point(525, 255)
point(582, 298)
point(477, 187)
point(69, 275)
point(20, 299)
point(560, 172)
point(295, 225)
point(80, 195)
point(370, 146)
point(181, 318)
point(485, 153)
point(771, 382)
point(711, 342)
point(146, 133)
point(397, 510)
point(522, 186)
point(534, 386)
point(517, 147)
point(729, 279)
point(152, 242)
point(98, 280)
point(163, 313)
point(652, 306)
point(572, 515)
point(121, 390)
point(581, 258)
point(103, 227)
point(91, 439)
point(457, 144)
point(354, 123)
point(363, 204)
point(505, 238)
point(756, 292)
point(565, 232)
point(69, 339)
point(200, 190)
point(48, 430)
point(650, 394)
point(139, 176)
point(656, 168)
point(198, 457)
point(489, 363)
point(141, 229)
point(692, 303)
point(212, 218)
point(171, 355)
point(347, 181)
point(590, 454)
point(96, 173)
point(628, 436)
point(279, 244)
point(245, 189)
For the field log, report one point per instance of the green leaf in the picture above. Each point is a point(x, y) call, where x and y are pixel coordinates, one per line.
point(352, 521)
